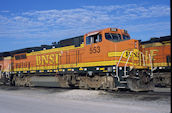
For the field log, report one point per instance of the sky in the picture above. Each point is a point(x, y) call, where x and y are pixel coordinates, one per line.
point(29, 23)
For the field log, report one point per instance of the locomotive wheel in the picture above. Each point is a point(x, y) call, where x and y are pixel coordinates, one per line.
point(140, 81)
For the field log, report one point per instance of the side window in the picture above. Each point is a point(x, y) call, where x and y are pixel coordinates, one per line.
point(1, 58)
point(126, 37)
point(23, 56)
point(168, 58)
point(98, 38)
point(88, 40)
point(18, 57)
point(93, 39)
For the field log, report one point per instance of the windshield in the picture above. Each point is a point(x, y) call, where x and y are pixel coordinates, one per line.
point(126, 37)
point(113, 37)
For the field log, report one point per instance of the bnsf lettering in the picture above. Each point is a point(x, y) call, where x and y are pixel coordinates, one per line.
point(152, 54)
point(47, 59)
point(134, 54)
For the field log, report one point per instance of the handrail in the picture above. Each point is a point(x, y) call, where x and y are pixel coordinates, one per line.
point(127, 63)
point(118, 64)
point(151, 65)
point(143, 58)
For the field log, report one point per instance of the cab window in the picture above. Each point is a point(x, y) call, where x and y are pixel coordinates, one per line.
point(88, 40)
point(113, 37)
point(126, 37)
point(93, 39)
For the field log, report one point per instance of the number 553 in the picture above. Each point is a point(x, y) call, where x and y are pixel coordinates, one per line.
point(95, 49)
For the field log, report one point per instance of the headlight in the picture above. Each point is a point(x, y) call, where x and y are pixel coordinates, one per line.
point(114, 29)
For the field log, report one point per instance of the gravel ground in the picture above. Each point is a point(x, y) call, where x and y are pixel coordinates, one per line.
point(55, 100)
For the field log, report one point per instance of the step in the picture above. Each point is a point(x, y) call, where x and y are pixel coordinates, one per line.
point(125, 76)
point(120, 87)
point(123, 82)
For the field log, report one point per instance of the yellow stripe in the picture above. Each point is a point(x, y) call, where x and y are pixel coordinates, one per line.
point(54, 50)
point(81, 69)
point(134, 54)
point(60, 70)
point(7, 58)
point(105, 70)
point(167, 42)
point(102, 68)
point(69, 69)
point(88, 64)
point(156, 44)
point(140, 67)
point(51, 71)
point(112, 54)
point(163, 64)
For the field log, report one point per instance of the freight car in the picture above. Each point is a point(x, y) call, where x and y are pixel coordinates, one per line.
point(104, 59)
point(160, 51)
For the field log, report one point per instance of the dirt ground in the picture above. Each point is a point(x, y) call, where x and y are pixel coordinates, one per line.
point(56, 100)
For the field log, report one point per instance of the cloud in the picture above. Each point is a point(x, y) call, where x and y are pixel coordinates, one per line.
point(72, 22)
point(4, 11)
point(133, 10)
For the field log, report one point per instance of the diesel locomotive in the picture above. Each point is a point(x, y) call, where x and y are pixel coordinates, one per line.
point(160, 51)
point(104, 59)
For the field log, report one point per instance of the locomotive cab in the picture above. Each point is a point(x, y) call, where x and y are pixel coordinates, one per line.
point(120, 55)
point(108, 44)
point(111, 34)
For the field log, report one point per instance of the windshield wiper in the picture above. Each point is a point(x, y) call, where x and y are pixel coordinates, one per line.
point(111, 35)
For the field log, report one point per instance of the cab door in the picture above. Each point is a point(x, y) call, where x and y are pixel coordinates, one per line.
point(93, 47)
